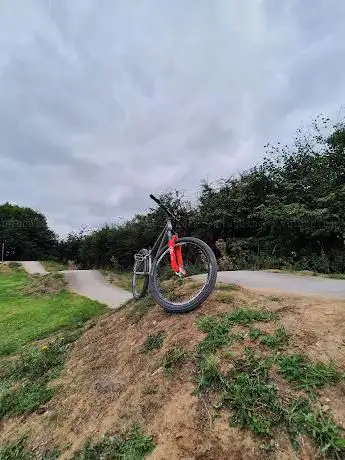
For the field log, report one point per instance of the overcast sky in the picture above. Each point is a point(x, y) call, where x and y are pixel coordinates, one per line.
point(105, 101)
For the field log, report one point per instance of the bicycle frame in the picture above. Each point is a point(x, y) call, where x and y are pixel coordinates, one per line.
point(168, 235)
point(165, 235)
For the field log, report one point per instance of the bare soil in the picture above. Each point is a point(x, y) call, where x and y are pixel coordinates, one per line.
point(108, 384)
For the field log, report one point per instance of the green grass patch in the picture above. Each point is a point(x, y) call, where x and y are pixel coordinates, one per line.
point(218, 329)
point(53, 265)
point(133, 445)
point(300, 419)
point(26, 317)
point(173, 358)
point(305, 374)
point(251, 396)
point(208, 374)
point(274, 341)
point(153, 341)
point(24, 380)
point(16, 450)
point(206, 323)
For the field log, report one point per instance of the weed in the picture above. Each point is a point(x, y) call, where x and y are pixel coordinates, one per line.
point(173, 358)
point(206, 323)
point(276, 341)
point(236, 337)
point(16, 450)
point(254, 333)
point(37, 361)
point(320, 427)
point(307, 375)
point(152, 342)
point(139, 308)
point(218, 330)
point(246, 317)
point(133, 445)
point(216, 338)
point(223, 296)
point(251, 396)
point(208, 375)
point(24, 381)
point(25, 398)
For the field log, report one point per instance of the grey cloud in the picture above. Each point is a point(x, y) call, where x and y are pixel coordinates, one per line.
point(102, 103)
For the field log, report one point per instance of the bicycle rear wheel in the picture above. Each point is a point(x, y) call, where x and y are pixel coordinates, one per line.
point(182, 293)
point(140, 278)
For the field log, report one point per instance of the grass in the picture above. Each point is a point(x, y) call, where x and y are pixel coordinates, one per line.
point(24, 380)
point(152, 341)
point(25, 317)
point(120, 279)
point(305, 374)
point(137, 309)
point(173, 358)
point(218, 329)
point(275, 298)
point(247, 389)
point(276, 341)
point(133, 445)
point(223, 296)
point(337, 276)
point(53, 265)
point(227, 287)
point(41, 285)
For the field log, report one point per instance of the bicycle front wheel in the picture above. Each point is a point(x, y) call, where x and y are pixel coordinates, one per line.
point(178, 293)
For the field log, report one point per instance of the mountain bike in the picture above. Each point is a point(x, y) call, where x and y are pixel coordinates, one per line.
point(179, 272)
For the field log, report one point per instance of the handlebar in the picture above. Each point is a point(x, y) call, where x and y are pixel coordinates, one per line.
point(170, 214)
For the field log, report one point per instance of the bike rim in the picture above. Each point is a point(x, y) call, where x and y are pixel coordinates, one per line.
point(179, 290)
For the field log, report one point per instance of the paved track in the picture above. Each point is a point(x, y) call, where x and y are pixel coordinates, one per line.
point(33, 267)
point(92, 284)
point(88, 283)
point(285, 282)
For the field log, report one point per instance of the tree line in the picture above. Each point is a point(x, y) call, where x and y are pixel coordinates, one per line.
point(287, 212)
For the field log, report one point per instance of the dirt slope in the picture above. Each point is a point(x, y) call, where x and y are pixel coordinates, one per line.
point(108, 384)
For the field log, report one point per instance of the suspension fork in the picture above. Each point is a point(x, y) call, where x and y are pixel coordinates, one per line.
point(176, 259)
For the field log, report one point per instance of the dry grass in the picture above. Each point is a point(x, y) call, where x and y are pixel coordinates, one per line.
point(52, 283)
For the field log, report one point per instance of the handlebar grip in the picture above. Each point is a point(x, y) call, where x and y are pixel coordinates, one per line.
point(155, 199)
point(162, 206)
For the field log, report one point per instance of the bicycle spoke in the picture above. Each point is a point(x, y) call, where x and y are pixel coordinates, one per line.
point(177, 288)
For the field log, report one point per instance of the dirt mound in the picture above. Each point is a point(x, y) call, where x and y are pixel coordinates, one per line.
point(138, 365)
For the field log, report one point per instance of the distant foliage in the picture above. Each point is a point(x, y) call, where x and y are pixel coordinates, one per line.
point(26, 234)
point(288, 212)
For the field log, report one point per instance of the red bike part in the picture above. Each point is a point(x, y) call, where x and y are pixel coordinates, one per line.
point(176, 256)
